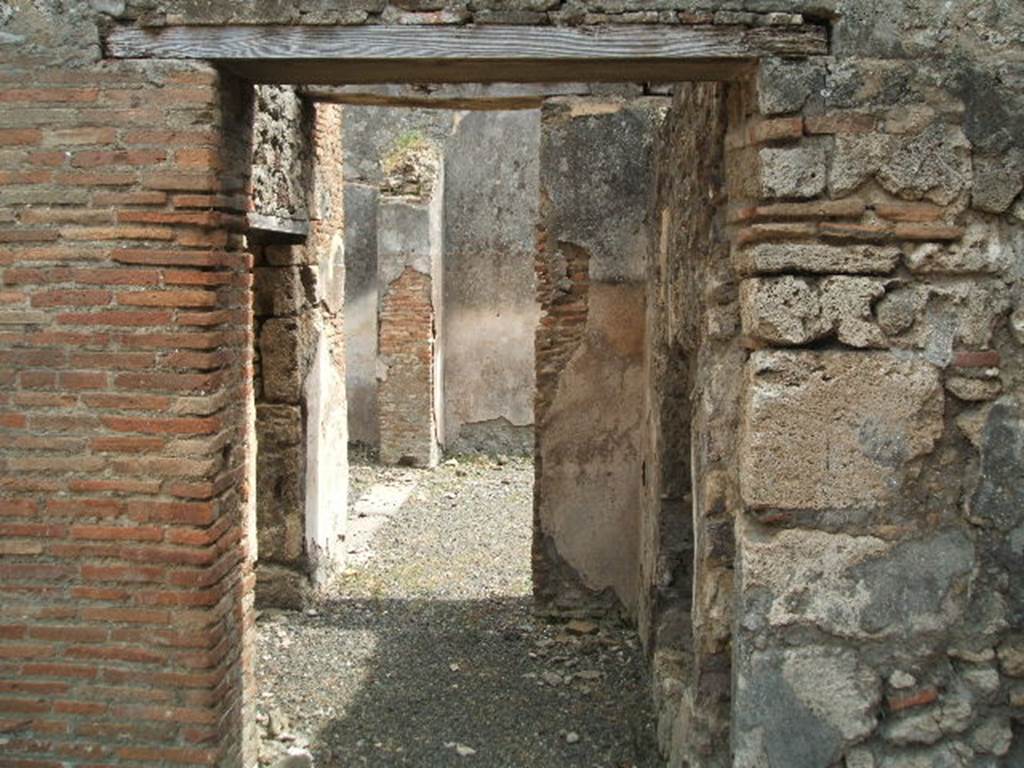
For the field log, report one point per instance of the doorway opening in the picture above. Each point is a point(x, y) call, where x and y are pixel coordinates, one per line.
point(494, 317)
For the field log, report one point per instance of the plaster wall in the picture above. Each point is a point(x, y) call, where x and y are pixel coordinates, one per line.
point(594, 241)
point(491, 312)
point(361, 308)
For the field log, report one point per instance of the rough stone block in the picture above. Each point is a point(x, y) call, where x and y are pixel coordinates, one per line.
point(282, 152)
point(784, 310)
point(973, 390)
point(286, 346)
point(998, 501)
point(935, 164)
point(802, 706)
point(943, 316)
point(277, 291)
point(792, 310)
point(786, 86)
point(281, 587)
point(952, 715)
point(847, 304)
point(997, 181)
point(281, 477)
point(797, 172)
point(286, 255)
point(855, 159)
point(769, 258)
point(834, 430)
point(857, 587)
point(985, 247)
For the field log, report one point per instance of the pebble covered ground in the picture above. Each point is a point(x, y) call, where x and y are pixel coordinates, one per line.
point(426, 651)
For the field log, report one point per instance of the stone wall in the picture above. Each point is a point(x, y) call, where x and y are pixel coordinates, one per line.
point(876, 586)
point(596, 177)
point(301, 429)
point(694, 373)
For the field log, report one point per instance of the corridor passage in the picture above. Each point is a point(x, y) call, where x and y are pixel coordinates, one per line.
point(426, 651)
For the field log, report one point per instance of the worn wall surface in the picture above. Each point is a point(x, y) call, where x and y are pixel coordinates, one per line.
point(361, 308)
point(410, 248)
point(490, 297)
point(694, 375)
point(282, 160)
point(880, 257)
point(301, 424)
point(370, 136)
point(874, 217)
point(596, 178)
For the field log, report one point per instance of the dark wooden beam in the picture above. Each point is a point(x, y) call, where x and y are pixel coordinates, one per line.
point(397, 54)
point(468, 96)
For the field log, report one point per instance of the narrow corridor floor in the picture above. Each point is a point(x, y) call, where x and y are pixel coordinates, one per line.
point(426, 652)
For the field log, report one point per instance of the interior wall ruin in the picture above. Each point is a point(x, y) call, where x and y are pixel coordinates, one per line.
point(298, 291)
point(593, 247)
point(874, 222)
point(490, 309)
point(410, 250)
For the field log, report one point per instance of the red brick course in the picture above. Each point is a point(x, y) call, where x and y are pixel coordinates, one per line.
point(124, 351)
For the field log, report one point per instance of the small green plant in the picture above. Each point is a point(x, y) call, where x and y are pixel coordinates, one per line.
point(411, 165)
point(406, 144)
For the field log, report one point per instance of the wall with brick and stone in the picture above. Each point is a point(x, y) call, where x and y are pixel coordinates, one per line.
point(410, 273)
point(874, 221)
point(370, 134)
point(597, 178)
point(693, 375)
point(491, 312)
point(879, 262)
point(301, 464)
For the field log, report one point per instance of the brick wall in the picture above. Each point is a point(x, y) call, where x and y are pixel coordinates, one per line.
point(406, 395)
point(409, 272)
point(124, 320)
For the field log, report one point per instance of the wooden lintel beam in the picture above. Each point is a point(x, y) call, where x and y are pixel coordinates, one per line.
point(461, 96)
point(368, 54)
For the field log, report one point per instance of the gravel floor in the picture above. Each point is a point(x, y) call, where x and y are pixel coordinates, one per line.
point(426, 652)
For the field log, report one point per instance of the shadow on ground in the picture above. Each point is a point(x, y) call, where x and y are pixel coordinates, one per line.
point(423, 682)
